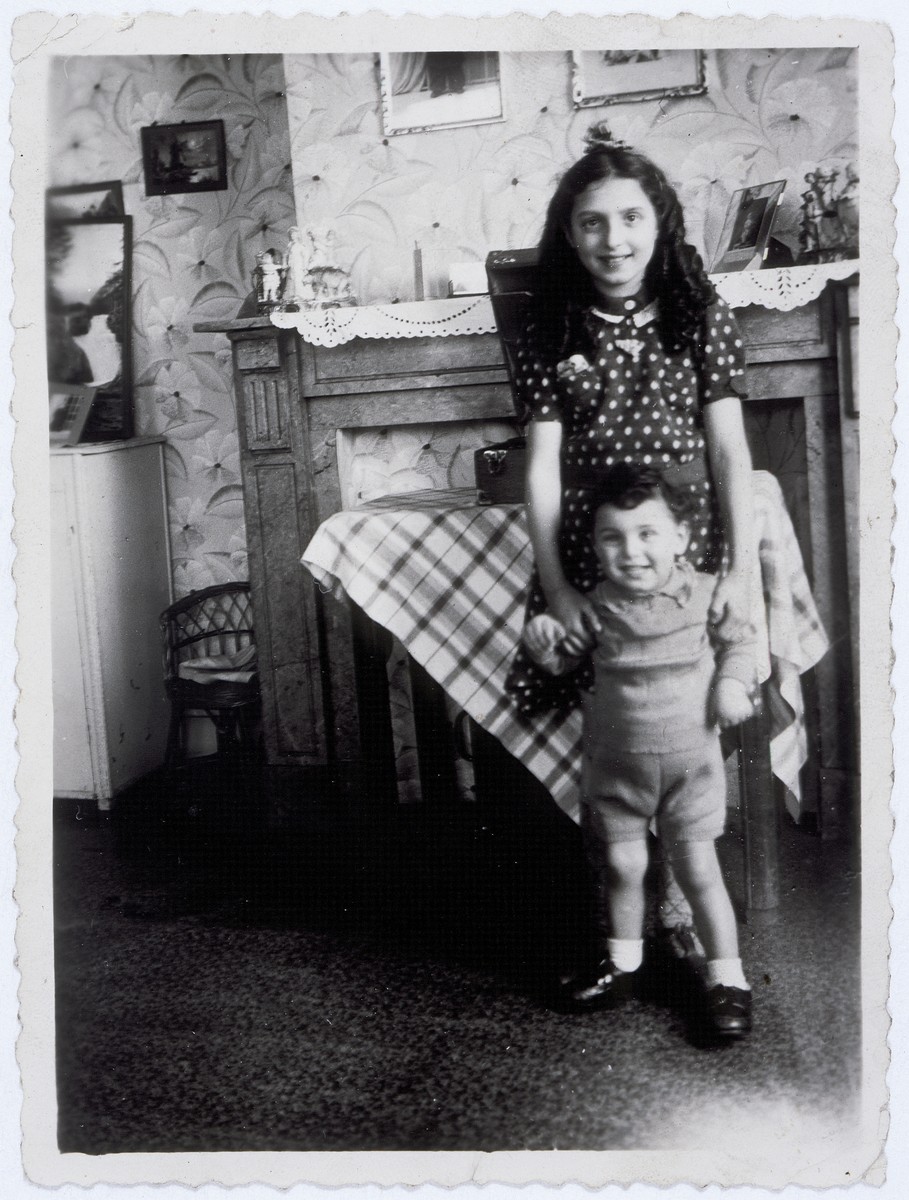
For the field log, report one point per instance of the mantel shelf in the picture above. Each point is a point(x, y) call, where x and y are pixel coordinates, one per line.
point(779, 288)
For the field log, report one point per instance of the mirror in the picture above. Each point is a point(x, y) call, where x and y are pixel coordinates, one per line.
point(88, 316)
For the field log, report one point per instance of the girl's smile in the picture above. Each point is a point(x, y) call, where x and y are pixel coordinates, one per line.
point(614, 230)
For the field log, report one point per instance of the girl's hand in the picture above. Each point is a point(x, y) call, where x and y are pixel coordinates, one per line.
point(542, 634)
point(730, 608)
point(730, 703)
point(578, 615)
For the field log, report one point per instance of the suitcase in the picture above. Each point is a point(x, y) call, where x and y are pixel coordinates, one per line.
point(499, 471)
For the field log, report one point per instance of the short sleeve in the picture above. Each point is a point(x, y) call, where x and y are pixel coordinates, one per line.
point(723, 355)
point(535, 392)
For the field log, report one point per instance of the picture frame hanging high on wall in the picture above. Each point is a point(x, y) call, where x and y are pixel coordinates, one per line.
point(625, 76)
point(440, 90)
point(191, 157)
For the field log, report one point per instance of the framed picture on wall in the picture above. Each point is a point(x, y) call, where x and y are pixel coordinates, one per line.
point(623, 76)
point(70, 405)
point(440, 90)
point(184, 158)
point(746, 230)
point(85, 201)
point(87, 295)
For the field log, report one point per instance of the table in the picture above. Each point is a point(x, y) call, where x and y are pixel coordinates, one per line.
point(299, 404)
point(448, 577)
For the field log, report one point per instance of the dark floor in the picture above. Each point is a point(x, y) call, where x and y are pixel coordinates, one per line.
point(297, 974)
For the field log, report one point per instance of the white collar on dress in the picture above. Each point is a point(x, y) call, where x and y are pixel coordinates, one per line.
point(643, 316)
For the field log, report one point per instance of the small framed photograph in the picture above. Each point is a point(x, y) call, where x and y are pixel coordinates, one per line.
point(85, 201)
point(70, 405)
point(440, 90)
point(746, 231)
point(624, 76)
point(184, 158)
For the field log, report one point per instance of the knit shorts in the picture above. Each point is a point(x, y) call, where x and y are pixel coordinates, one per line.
point(684, 791)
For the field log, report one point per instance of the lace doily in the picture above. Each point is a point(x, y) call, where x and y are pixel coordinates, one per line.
point(421, 318)
point(781, 288)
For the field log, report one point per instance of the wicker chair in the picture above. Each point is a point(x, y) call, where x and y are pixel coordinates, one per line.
point(209, 667)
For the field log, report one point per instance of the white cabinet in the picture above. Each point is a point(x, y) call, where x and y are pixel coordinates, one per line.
point(110, 580)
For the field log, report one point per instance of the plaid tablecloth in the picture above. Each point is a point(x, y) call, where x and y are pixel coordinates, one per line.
point(448, 578)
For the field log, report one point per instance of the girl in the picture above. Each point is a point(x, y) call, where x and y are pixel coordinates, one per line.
point(629, 356)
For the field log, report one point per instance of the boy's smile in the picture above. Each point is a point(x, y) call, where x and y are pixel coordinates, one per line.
point(637, 547)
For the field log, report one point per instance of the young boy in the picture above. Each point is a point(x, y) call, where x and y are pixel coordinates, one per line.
point(663, 683)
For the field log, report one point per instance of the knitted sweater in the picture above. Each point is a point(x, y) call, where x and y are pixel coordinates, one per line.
point(656, 659)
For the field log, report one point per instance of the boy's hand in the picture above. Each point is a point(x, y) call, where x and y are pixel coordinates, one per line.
point(577, 644)
point(730, 703)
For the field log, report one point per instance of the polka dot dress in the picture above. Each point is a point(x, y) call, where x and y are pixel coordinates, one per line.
point(622, 398)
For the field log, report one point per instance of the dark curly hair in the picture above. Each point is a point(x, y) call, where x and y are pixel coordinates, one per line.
point(626, 485)
point(675, 274)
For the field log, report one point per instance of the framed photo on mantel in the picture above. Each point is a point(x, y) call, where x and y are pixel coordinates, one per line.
point(746, 231)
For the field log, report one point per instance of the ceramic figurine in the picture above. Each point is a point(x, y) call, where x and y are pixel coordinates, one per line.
point(268, 278)
point(829, 229)
point(314, 280)
point(847, 207)
point(812, 211)
point(297, 286)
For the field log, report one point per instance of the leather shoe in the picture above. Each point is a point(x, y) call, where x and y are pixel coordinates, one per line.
point(602, 985)
point(728, 1011)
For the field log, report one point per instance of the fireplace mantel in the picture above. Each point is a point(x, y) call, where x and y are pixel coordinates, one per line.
point(295, 397)
point(292, 401)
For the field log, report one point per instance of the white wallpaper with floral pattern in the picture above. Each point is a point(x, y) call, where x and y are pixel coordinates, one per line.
point(767, 114)
point(192, 260)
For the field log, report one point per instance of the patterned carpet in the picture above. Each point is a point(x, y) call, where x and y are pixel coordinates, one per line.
point(364, 978)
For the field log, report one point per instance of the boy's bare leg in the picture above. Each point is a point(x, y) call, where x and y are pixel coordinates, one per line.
point(727, 998)
point(618, 870)
point(626, 866)
point(697, 869)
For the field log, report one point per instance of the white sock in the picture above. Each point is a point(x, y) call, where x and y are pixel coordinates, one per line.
point(726, 971)
point(627, 954)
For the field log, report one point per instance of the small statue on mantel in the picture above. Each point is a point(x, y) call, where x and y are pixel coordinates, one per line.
point(297, 286)
point(268, 277)
point(314, 280)
point(812, 213)
point(829, 228)
point(847, 208)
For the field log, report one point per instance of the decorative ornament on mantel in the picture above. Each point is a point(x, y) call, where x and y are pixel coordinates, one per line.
point(830, 216)
point(314, 279)
point(269, 279)
point(303, 279)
